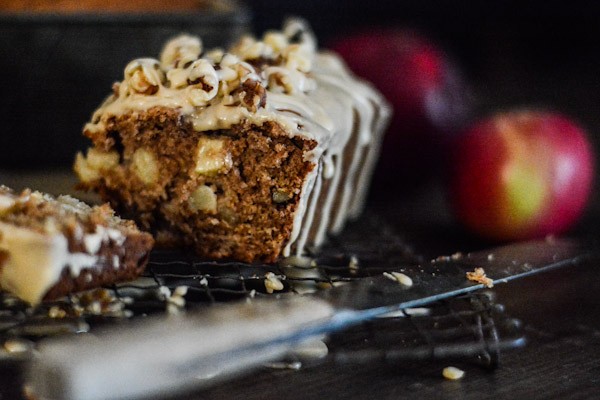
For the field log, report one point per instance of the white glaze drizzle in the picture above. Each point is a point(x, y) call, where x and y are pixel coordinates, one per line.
point(325, 215)
point(299, 215)
point(314, 197)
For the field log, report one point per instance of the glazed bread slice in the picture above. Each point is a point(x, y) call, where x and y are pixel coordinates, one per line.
point(50, 247)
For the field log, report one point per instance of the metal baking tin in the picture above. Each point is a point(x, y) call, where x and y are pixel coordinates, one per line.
point(57, 68)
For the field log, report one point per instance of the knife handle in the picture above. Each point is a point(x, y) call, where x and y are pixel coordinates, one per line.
point(163, 355)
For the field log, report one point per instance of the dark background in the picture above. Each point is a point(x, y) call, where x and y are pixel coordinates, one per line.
point(513, 53)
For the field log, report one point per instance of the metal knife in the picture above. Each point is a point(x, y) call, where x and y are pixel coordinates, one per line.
point(167, 354)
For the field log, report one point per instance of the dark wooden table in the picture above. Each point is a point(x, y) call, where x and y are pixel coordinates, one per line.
point(560, 311)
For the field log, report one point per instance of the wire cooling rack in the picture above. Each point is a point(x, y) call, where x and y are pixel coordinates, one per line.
point(472, 327)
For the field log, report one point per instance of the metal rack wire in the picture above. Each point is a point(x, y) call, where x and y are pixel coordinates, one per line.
point(466, 327)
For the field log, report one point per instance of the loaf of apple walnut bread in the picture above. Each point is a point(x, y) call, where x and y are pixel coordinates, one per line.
point(53, 246)
point(248, 154)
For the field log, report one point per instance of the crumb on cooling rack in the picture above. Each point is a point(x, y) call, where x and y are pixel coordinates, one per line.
point(103, 302)
point(17, 345)
point(453, 373)
point(478, 275)
point(175, 299)
point(272, 282)
point(399, 277)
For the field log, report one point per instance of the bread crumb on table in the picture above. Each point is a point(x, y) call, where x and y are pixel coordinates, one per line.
point(478, 275)
point(399, 277)
point(453, 373)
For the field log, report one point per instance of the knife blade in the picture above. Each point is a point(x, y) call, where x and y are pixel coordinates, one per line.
point(164, 355)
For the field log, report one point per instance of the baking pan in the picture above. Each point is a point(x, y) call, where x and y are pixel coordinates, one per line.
point(57, 68)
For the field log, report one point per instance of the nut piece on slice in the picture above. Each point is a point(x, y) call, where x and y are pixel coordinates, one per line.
point(50, 247)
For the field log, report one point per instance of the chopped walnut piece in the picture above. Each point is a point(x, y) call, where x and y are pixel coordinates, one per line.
point(181, 51)
point(144, 76)
point(254, 95)
point(203, 81)
point(272, 282)
point(478, 275)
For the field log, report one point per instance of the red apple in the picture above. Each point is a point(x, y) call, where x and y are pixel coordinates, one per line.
point(521, 175)
point(424, 88)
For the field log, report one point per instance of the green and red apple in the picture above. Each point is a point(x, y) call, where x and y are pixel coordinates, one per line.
point(521, 175)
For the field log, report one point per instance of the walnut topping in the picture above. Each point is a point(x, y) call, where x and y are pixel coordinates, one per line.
point(276, 40)
point(278, 80)
point(227, 65)
point(6, 203)
point(212, 156)
point(145, 166)
point(178, 77)
point(253, 95)
point(203, 199)
point(144, 76)
point(181, 51)
point(203, 81)
point(215, 55)
point(250, 48)
point(298, 57)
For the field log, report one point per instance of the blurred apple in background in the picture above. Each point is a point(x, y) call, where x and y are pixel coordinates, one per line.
point(521, 175)
point(427, 94)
